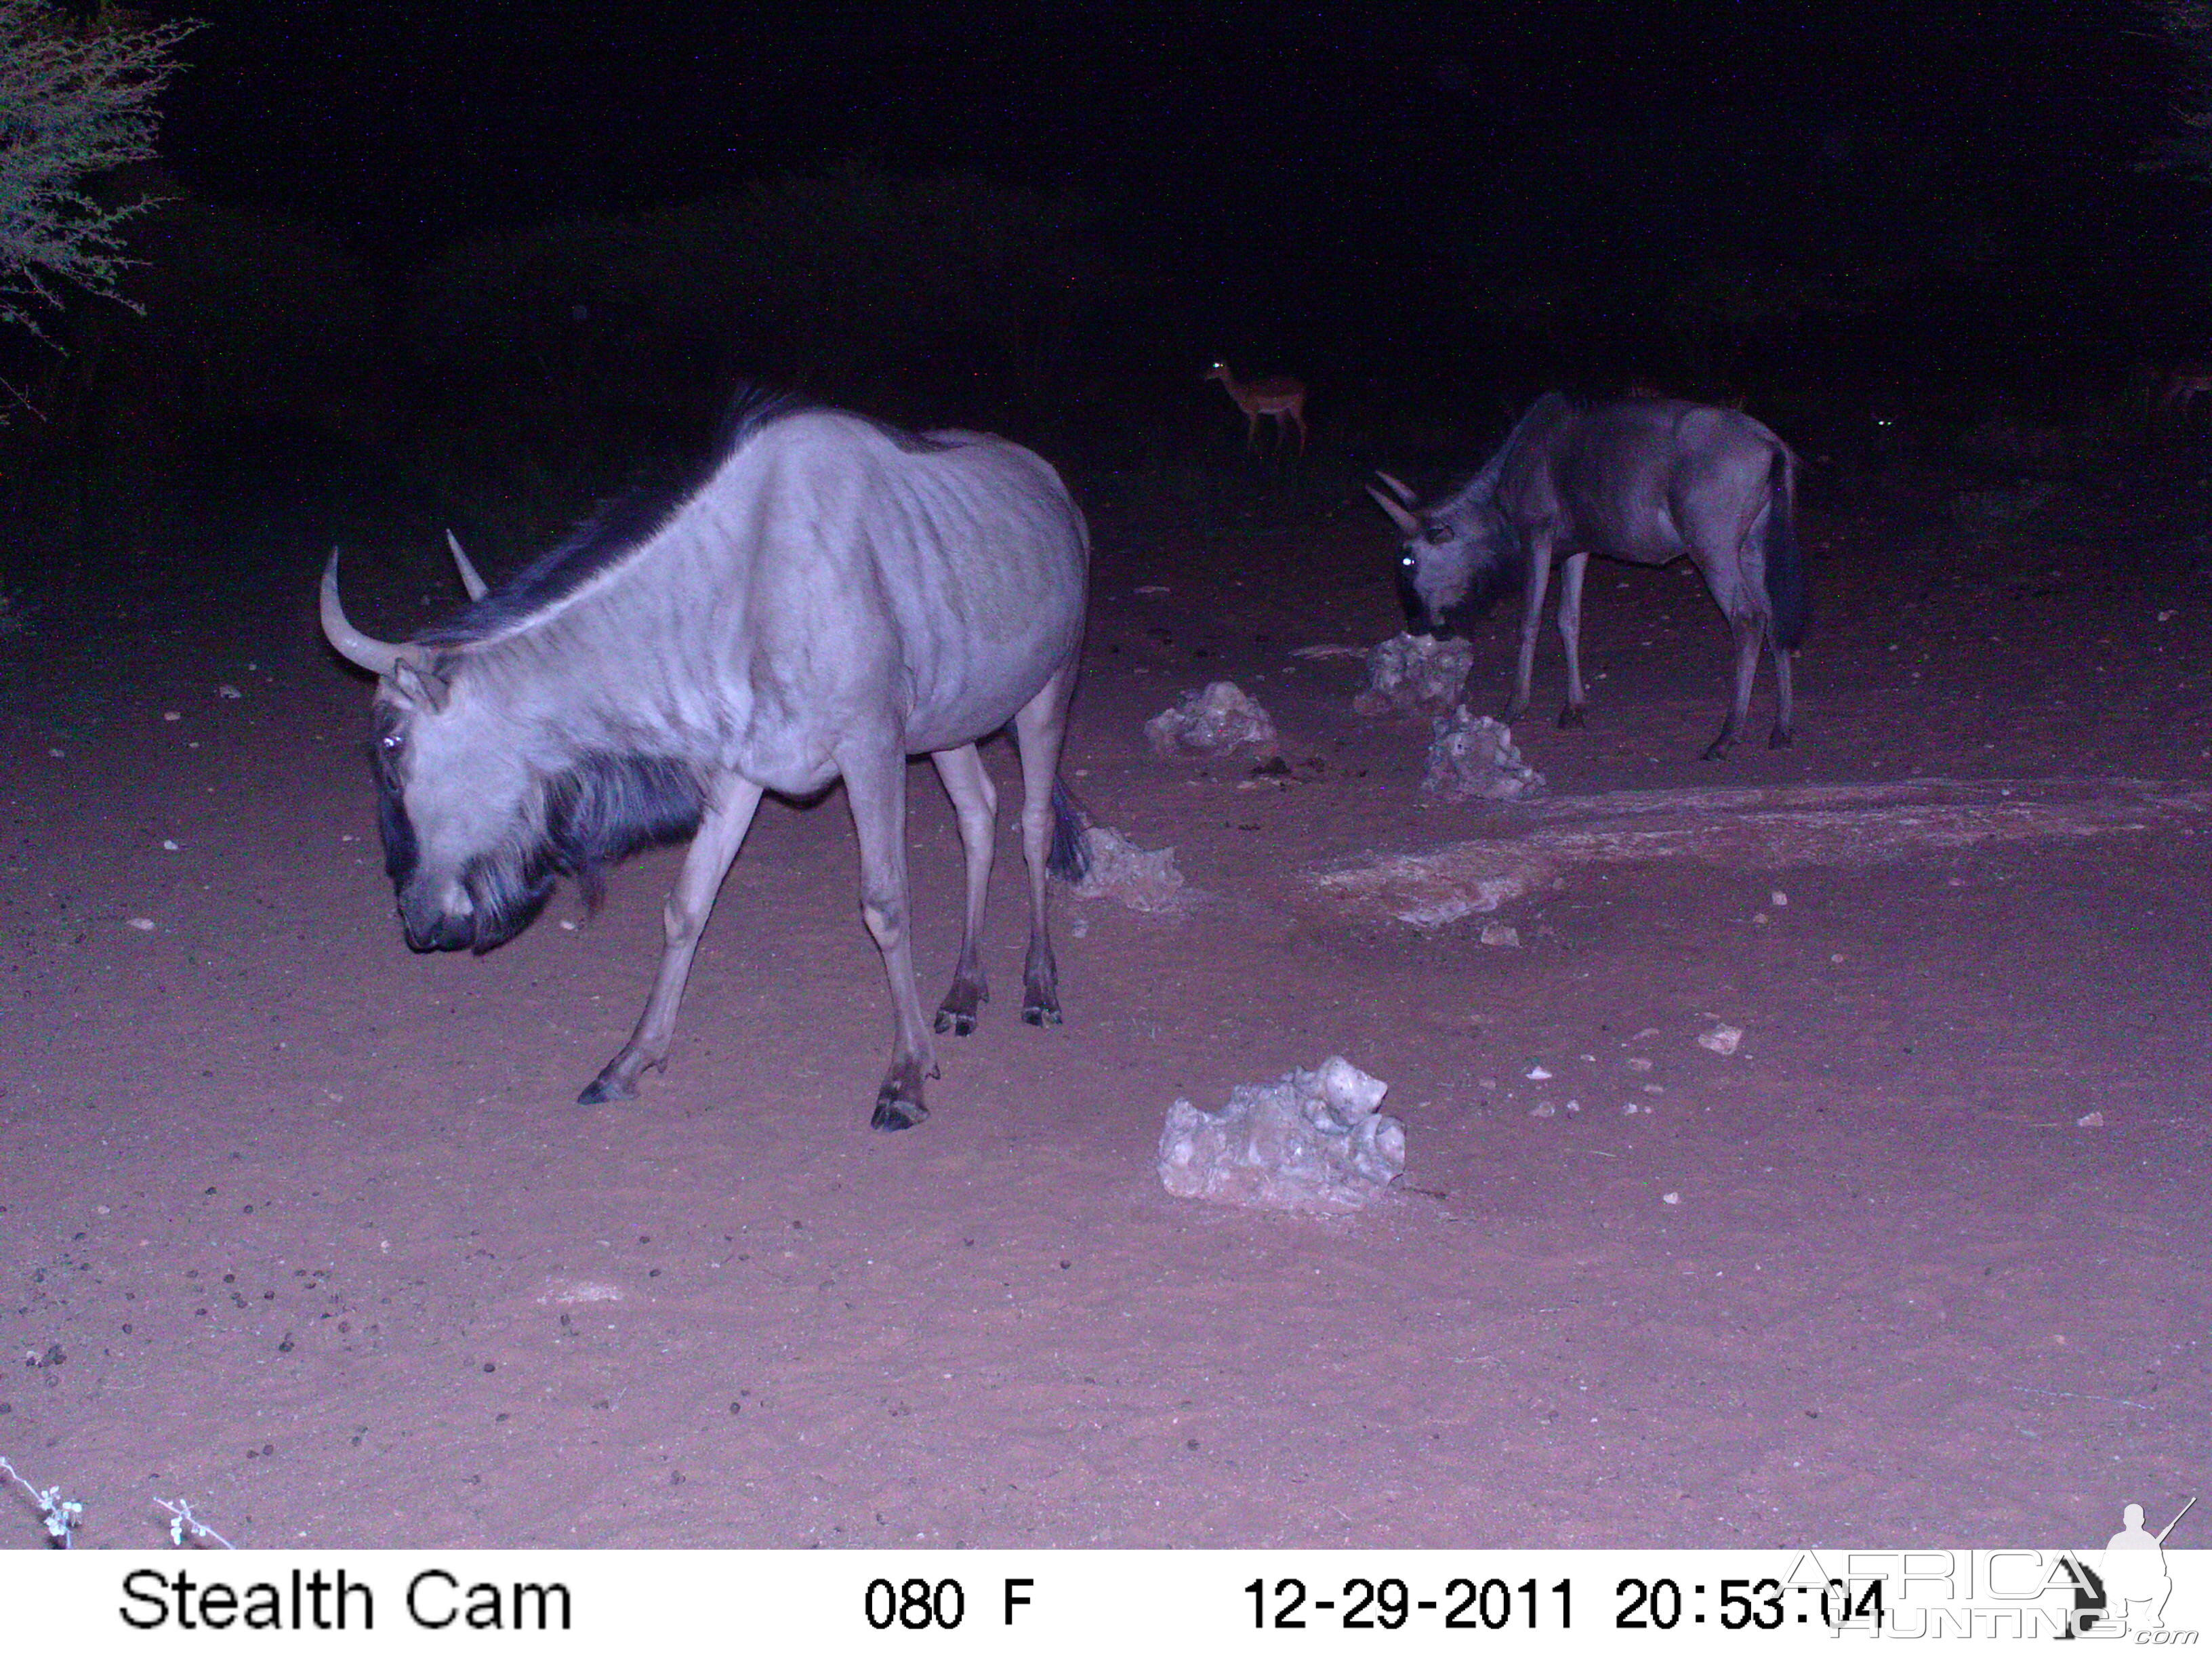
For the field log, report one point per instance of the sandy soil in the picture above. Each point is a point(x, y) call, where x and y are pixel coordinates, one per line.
point(310, 1232)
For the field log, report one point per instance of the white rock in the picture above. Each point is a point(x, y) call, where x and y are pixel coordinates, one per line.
point(1472, 757)
point(1119, 870)
point(1213, 721)
point(1312, 1141)
point(1412, 672)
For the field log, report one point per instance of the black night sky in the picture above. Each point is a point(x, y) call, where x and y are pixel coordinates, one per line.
point(1419, 208)
point(1351, 134)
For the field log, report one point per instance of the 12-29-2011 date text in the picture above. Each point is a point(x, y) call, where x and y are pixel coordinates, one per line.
point(1391, 1604)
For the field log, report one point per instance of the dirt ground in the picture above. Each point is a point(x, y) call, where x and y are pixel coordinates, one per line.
point(310, 1232)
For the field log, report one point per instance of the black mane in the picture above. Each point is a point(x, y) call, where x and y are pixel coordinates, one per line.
point(615, 530)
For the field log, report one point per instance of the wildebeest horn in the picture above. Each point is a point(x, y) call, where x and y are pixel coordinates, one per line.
point(1396, 488)
point(1405, 520)
point(470, 580)
point(355, 647)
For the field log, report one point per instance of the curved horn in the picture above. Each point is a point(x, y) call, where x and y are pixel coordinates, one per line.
point(1405, 520)
point(1396, 488)
point(349, 642)
point(470, 580)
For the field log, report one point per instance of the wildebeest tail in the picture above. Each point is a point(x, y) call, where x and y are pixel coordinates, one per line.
point(1785, 561)
point(1070, 859)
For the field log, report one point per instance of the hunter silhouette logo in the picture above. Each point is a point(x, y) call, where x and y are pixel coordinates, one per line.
point(2135, 1580)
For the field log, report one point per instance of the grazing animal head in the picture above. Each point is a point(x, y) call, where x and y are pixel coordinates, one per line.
point(482, 808)
point(1457, 558)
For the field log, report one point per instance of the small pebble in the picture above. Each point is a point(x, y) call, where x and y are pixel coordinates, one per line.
point(1722, 1039)
point(2090, 1120)
point(171, 847)
point(1536, 1073)
point(171, 714)
point(1671, 1197)
point(142, 924)
point(1778, 899)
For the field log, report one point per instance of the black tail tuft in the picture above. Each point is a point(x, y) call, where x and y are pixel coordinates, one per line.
point(1786, 588)
point(1070, 859)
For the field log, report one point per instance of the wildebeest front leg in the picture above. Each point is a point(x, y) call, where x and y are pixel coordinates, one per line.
point(1750, 632)
point(875, 786)
point(729, 815)
point(1571, 634)
point(975, 803)
point(1532, 619)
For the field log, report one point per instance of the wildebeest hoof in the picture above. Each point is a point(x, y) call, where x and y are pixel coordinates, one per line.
point(1039, 1014)
point(894, 1112)
point(605, 1087)
point(1778, 738)
point(1570, 717)
point(961, 1022)
point(1718, 749)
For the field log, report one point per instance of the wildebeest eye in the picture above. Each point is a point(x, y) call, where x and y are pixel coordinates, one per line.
point(1436, 533)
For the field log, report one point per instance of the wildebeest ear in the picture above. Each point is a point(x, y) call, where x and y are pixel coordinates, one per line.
point(1405, 521)
point(419, 687)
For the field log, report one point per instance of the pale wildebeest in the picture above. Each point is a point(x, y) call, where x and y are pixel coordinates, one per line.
point(1646, 480)
point(832, 597)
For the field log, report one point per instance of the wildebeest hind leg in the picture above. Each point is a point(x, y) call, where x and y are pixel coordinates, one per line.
point(1038, 731)
point(875, 786)
point(1784, 723)
point(975, 803)
point(1750, 633)
point(684, 918)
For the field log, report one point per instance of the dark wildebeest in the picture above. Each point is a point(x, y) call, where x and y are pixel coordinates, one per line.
point(833, 597)
point(1643, 479)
